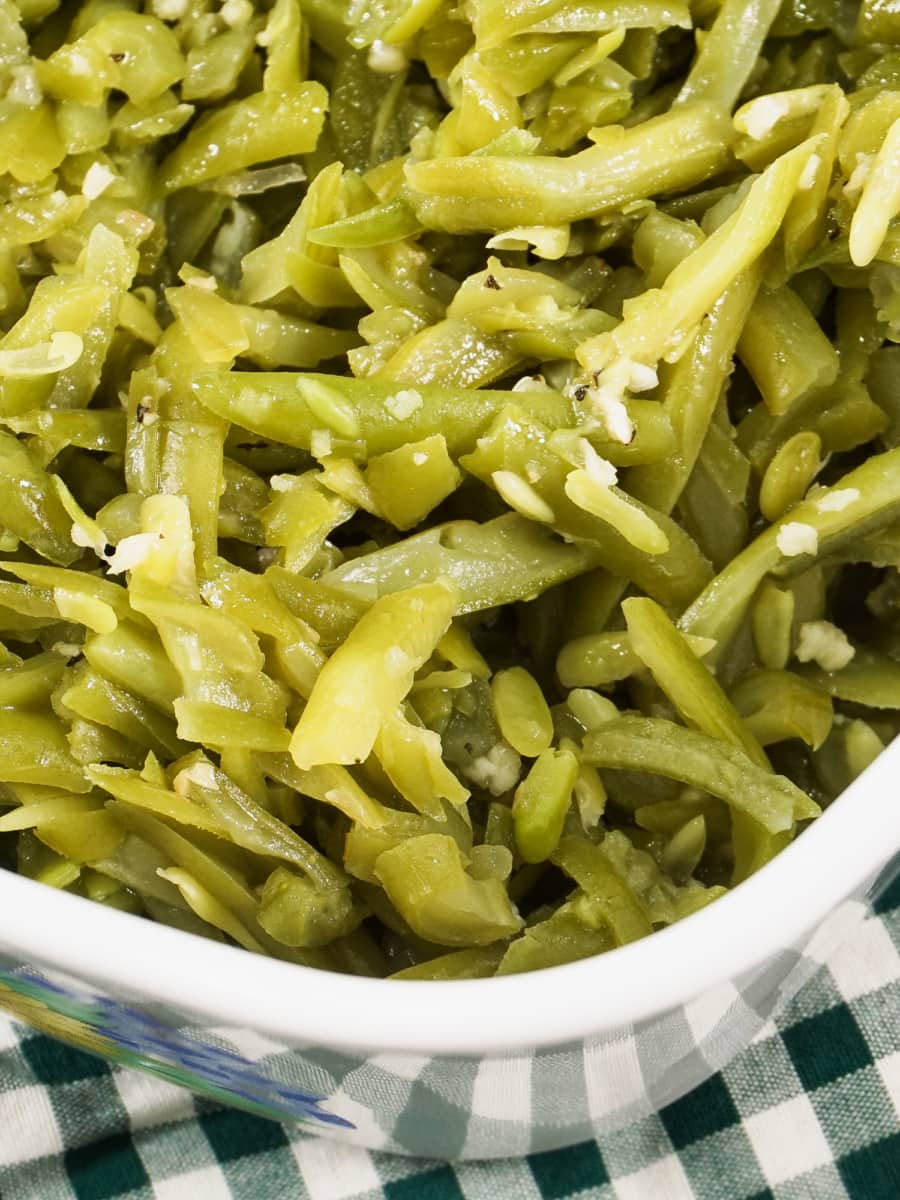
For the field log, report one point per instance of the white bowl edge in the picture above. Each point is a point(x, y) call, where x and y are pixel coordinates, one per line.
point(224, 986)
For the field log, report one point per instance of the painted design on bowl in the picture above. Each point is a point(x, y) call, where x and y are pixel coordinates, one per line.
point(134, 1038)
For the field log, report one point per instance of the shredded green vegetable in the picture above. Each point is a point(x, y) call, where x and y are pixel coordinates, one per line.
point(450, 461)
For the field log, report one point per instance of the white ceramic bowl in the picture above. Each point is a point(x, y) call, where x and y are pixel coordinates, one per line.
point(455, 1070)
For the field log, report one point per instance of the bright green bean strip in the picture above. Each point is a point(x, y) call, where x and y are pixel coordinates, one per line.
point(660, 747)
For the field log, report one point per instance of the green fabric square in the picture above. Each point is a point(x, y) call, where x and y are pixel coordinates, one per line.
point(725, 1155)
point(105, 1169)
point(54, 1062)
point(432, 1121)
point(561, 1173)
point(823, 1183)
point(763, 1075)
point(440, 1184)
point(232, 1133)
point(708, 1109)
point(854, 1111)
point(889, 892)
point(826, 1046)
point(634, 1146)
point(873, 1173)
point(876, 1015)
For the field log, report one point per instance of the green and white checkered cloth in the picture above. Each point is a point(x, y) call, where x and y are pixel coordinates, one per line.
point(810, 1111)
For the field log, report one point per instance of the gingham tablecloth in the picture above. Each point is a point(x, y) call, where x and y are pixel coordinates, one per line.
point(810, 1111)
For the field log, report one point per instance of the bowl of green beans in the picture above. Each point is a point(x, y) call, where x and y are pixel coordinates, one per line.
point(449, 598)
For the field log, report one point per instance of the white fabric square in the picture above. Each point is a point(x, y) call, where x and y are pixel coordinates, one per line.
point(866, 961)
point(838, 927)
point(889, 1070)
point(332, 1171)
point(769, 1030)
point(250, 1045)
point(29, 1126)
point(788, 1139)
point(502, 1089)
point(365, 1129)
point(151, 1101)
point(207, 1182)
point(662, 1179)
point(10, 1035)
point(612, 1076)
point(705, 1012)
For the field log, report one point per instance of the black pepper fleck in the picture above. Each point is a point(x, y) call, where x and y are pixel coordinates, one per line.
point(140, 412)
point(109, 550)
point(493, 283)
point(580, 392)
point(118, 56)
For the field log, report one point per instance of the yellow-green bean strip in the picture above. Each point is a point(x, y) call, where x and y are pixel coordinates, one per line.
point(256, 129)
point(879, 202)
point(425, 879)
point(598, 659)
point(493, 563)
point(665, 154)
point(33, 749)
point(777, 705)
point(789, 474)
point(367, 677)
point(516, 444)
point(869, 678)
point(378, 415)
point(658, 322)
point(29, 684)
point(784, 349)
point(719, 609)
point(772, 618)
point(330, 784)
point(729, 52)
point(685, 680)
point(692, 392)
point(32, 509)
point(541, 802)
point(660, 747)
point(476, 963)
point(522, 712)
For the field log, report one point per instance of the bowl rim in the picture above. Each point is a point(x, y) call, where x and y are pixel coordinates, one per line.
point(221, 986)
